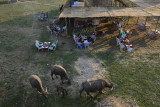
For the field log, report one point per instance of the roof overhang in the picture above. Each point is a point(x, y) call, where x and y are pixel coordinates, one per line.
point(148, 8)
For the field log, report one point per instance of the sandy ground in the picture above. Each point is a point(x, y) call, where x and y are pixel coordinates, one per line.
point(86, 68)
point(110, 101)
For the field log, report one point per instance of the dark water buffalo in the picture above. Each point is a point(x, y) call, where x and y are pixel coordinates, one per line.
point(61, 89)
point(59, 70)
point(94, 85)
point(36, 83)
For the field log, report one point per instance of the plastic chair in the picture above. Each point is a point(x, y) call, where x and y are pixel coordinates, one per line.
point(48, 29)
point(46, 15)
point(118, 41)
point(86, 44)
point(122, 32)
point(52, 46)
point(129, 49)
point(149, 33)
point(121, 46)
point(38, 45)
point(79, 45)
point(142, 27)
point(74, 37)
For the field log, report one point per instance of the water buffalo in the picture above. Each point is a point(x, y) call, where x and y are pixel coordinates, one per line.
point(61, 89)
point(59, 70)
point(36, 83)
point(94, 85)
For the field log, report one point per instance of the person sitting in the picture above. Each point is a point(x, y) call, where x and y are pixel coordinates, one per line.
point(51, 27)
point(128, 43)
point(77, 39)
point(124, 37)
point(149, 33)
point(122, 46)
point(92, 38)
point(129, 49)
point(46, 15)
point(57, 29)
point(118, 25)
point(86, 43)
point(63, 28)
point(84, 37)
point(80, 40)
point(118, 40)
point(74, 37)
point(85, 40)
point(128, 31)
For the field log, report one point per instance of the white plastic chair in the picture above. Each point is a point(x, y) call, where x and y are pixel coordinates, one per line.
point(74, 38)
point(79, 45)
point(149, 33)
point(118, 41)
point(38, 45)
point(53, 46)
point(129, 49)
point(48, 29)
point(142, 27)
point(86, 44)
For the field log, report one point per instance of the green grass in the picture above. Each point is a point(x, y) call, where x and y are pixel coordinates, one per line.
point(8, 43)
point(24, 13)
point(137, 80)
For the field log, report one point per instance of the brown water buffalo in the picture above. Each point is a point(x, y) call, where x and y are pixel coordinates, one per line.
point(94, 85)
point(59, 70)
point(61, 89)
point(36, 83)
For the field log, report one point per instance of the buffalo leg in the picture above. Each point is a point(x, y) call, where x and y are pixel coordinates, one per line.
point(52, 76)
point(63, 93)
point(58, 92)
point(89, 94)
point(100, 92)
point(56, 76)
point(66, 92)
point(81, 91)
point(62, 80)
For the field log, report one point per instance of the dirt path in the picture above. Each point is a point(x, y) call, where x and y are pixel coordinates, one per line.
point(86, 68)
point(115, 102)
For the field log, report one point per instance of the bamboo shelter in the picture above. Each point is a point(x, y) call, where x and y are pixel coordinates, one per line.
point(110, 8)
point(144, 8)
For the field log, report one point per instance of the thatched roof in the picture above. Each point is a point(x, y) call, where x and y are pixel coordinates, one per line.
point(145, 8)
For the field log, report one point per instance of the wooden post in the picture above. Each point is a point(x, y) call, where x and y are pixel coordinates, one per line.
point(157, 23)
point(66, 26)
point(128, 20)
point(137, 19)
point(146, 21)
point(115, 3)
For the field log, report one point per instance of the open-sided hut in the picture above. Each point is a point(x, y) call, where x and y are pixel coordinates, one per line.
point(94, 9)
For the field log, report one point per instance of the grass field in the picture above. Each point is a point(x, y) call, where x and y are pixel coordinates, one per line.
point(136, 76)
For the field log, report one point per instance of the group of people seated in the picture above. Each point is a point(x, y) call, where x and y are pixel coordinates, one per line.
point(56, 29)
point(50, 46)
point(43, 16)
point(83, 40)
point(123, 41)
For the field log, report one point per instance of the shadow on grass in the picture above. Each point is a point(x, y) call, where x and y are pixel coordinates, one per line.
point(4, 2)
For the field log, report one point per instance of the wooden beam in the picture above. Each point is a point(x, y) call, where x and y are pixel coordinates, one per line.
point(146, 20)
point(157, 23)
point(128, 20)
point(124, 3)
point(137, 19)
